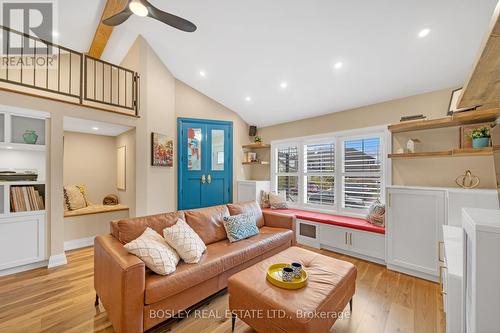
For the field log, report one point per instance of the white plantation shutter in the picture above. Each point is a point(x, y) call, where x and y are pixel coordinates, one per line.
point(319, 173)
point(362, 172)
point(288, 172)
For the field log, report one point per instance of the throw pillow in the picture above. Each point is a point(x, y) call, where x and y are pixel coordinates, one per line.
point(185, 241)
point(264, 199)
point(151, 248)
point(75, 197)
point(376, 214)
point(240, 226)
point(277, 201)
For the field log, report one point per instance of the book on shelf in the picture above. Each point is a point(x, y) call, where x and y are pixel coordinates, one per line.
point(25, 199)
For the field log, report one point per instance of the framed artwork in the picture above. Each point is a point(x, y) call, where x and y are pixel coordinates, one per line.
point(453, 107)
point(121, 168)
point(162, 150)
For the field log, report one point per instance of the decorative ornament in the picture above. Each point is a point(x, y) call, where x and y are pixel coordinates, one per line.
point(467, 180)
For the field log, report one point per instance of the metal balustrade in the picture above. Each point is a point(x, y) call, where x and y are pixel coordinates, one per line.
point(35, 63)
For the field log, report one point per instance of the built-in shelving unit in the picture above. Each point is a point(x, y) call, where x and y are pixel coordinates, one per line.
point(262, 151)
point(418, 129)
point(458, 119)
point(22, 230)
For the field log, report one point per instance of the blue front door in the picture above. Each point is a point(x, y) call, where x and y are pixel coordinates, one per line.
point(205, 162)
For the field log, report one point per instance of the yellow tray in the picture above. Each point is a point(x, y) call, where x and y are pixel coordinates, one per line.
point(274, 276)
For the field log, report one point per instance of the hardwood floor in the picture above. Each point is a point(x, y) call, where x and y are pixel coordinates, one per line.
point(62, 300)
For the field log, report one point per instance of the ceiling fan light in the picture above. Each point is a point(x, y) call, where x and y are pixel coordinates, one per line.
point(138, 8)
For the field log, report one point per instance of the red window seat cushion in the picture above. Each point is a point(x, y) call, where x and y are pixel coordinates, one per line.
point(341, 221)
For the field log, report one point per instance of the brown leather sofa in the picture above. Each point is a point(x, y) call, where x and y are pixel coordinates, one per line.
point(137, 299)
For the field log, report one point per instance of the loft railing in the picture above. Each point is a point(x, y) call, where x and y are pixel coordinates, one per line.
point(35, 63)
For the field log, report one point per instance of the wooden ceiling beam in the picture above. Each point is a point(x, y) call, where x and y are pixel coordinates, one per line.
point(483, 85)
point(103, 32)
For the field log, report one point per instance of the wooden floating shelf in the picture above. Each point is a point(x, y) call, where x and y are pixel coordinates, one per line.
point(257, 146)
point(256, 163)
point(447, 153)
point(458, 119)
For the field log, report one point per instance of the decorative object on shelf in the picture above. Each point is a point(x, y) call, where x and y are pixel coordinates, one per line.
point(251, 157)
point(18, 175)
point(465, 139)
point(26, 199)
point(413, 145)
point(376, 214)
point(400, 151)
point(468, 180)
point(257, 139)
point(30, 137)
point(162, 150)
point(452, 107)
point(480, 137)
point(413, 117)
point(110, 200)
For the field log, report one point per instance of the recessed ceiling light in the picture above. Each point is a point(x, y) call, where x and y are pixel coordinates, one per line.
point(338, 65)
point(424, 32)
point(284, 85)
point(248, 99)
point(95, 128)
point(203, 74)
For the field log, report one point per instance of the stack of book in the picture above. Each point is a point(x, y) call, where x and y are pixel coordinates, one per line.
point(25, 199)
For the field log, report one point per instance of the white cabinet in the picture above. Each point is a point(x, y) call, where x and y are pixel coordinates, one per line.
point(22, 240)
point(358, 243)
point(307, 233)
point(413, 228)
point(251, 189)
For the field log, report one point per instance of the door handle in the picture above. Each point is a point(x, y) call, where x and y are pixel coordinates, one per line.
point(345, 241)
point(203, 179)
point(209, 179)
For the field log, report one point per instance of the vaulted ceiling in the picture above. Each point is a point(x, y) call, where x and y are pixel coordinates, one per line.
point(278, 61)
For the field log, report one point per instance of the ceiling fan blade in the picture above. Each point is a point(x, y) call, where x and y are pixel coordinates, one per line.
point(118, 18)
point(171, 20)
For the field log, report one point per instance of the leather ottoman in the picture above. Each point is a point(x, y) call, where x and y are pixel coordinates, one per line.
point(314, 308)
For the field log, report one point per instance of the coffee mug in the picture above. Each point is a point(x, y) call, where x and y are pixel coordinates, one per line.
point(287, 274)
point(297, 269)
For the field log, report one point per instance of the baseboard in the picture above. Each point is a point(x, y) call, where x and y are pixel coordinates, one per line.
point(57, 260)
point(354, 254)
point(78, 243)
point(23, 268)
point(412, 272)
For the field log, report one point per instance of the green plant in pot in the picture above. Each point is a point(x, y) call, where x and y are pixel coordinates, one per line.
point(258, 139)
point(30, 137)
point(480, 137)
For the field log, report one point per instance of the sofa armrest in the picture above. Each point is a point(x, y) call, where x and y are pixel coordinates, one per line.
point(119, 280)
point(279, 220)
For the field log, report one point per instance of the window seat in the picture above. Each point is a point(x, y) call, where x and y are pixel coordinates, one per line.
point(95, 209)
point(332, 219)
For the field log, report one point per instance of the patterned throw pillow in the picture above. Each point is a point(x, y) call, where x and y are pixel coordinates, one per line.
point(75, 197)
point(277, 201)
point(240, 226)
point(264, 199)
point(151, 248)
point(185, 241)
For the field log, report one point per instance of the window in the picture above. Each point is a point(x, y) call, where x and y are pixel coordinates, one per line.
point(336, 172)
point(362, 172)
point(288, 173)
point(319, 173)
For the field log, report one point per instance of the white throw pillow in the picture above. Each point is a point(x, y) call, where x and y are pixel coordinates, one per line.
point(185, 241)
point(151, 248)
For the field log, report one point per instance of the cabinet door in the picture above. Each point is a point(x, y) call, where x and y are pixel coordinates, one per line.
point(368, 244)
point(22, 240)
point(334, 236)
point(415, 218)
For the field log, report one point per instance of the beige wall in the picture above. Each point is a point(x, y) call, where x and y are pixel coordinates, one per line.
point(419, 172)
point(90, 160)
point(127, 196)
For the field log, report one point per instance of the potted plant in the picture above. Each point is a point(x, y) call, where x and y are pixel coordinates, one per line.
point(480, 137)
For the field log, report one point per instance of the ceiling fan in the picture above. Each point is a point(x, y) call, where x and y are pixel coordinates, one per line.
point(144, 8)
